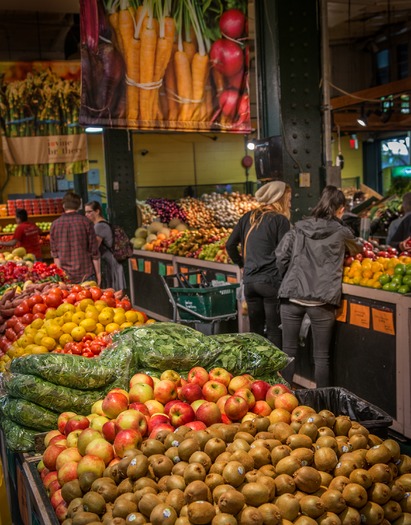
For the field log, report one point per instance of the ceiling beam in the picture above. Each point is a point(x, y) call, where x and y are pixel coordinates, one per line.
point(348, 122)
point(65, 6)
point(374, 93)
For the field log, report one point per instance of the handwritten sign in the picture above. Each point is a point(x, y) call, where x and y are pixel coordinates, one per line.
point(231, 279)
point(360, 315)
point(134, 264)
point(147, 266)
point(383, 321)
point(341, 314)
point(170, 270)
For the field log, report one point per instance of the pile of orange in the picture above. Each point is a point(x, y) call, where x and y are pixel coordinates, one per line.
point(375, 273)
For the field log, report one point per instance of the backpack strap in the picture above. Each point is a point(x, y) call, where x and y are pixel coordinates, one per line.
point(112, 234)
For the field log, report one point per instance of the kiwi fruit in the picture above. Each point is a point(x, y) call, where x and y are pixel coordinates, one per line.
point(213, 480)
point(357, 428)
point(137, 467)
point(251, 475)
point(284, 484)
point(342, 425)
point(325, 459)
point(288, 465)
point(163, 514)
point(223, 519)
point(372, 513)
point(404, 464)
point(264, 443)
point(350, 516)
point(224, 457)
point(175, 498)
point(86, 479)
point(145, 482)
point(193, 472)
point(268, 482)
point(268, 470)
point(310, 430)
point(250, 516)
point(406, 504)
point(71, 490)
point(279, 452)
point(197, 491)
point(245, 436)
point(244, 458)
point(392, 510)
point(83, 518)
point(338, 483)
point(147, 504)
point(94, 502)
point(270, 513)
point(326, 441)
point(397, 490)
point(379, 493)
point(326, 478)
point(333, 501)
point(138, 494)
point(329, 518)
point(358, 441)
point(345, 467)
point(200, 512)
point(288, 505)
point(125, 486)
point(234, 473)
point(231, 501)
point(187, 447)
point(312, 506)
point(162, 483)
point(214, 447)
point(355, 495)
point(405, 481)
point(160, 465)
point(265, 435)
point(380, 472)
point(378, 454)
point(220, 490)
point(325, 431)
point(255, 494)
point(248, 426)
point(179, 468)
point(405, 519)
point(281, 431)
point(307, 479)
point(201, 457)
point(217, 467)
point(260, 455)
point(150, 447)
point(374, 440)
point(295, 425)
point(362, 477)
point(75, 505)
point(136, 518)
point(305, 455)
point(262, 423)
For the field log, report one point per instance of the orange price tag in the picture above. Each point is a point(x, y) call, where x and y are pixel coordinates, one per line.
point(170, 270)
point(134, 264)
point(342, 312)
point(147, 266)
point(360, 315)
point(231, 279)
point(383, 321)
point(184, 270)
point(198, 278)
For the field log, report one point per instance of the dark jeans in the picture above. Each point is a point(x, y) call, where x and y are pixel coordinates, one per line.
point(322, 323)
point(263, 310)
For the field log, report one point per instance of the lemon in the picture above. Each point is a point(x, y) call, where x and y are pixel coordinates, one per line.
point(127, 324)
point(37, 324)
point(112, 327)
point(89, 325)
point(68, 327)
point(25, 340)
point(49, 343)
point(119, 310)
point(64, 339)
point(65, 308)
point(99, 328)
point(40, 349)
point(51, 313)
point(92, 312)
point(132, 316)
point(100, 305)
point(78, 333)
point(39, 336)
point(68, 316)
point(78, 317)
point(84, 303)
point(54, 330)
point(119, 318)
point(106, 316)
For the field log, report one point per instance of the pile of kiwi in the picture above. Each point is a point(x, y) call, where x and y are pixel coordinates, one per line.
point(323, 470)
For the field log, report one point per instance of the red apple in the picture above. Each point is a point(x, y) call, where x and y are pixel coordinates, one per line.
point(44, 473)
point(98, 422)
point(67, 472)
point(101, 448)
point(58, 440)
point(61, 511)
point(198, 375)
point(85, 437)
point(236, 407)
point(197, 403)
point(279, 415)
point(259, 388)
point(168, 405)
point(238, 382)
point(49, 478)
point(154, 407)
point(196, 425)
point(221, 403)
point(181, 413)
point(93, 464)
point(249, 416)
point(164, 391)
point(126, 440)
point(118, 390)
point(70, 454)
point(76, 423)
point(132, 419)
point(225, 419)
point(274, 391)
point(209, 413)
point(171, 375)
point(72, 438)
point(287, 401)
point(221, 375)
point(141, 407)
point(62, 420)
point(50, 435)
point(54, 486)
point(56, 499)
point(50, 456)
point(190, 392)
point(213, 390)
point(109, 430)
point(261, 408)
point(40, 466)
point(161, 430)
point(114, 403)
point(247, 395)
point(140, 393)
point(157, 419)
point(301, 412)
point(97, 408)
point(141, 378)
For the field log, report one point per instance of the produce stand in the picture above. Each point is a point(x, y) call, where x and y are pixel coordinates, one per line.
point(371, 352)
point(148, 294)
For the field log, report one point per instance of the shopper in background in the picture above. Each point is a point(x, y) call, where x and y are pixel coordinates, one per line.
point(310, 258)
point(27, 234)
point(259, 232)
point(112, 273)
point(73, 243)
point(399, 231)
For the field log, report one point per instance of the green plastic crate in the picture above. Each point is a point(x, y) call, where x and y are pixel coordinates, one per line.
point(208, 302)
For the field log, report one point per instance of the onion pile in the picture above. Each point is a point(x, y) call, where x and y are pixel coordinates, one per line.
point(223, 211)
point(242, 202)
point(166, 210)
point(148, 215)
point(196, 212)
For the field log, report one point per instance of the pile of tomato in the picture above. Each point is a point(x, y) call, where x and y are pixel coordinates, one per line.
point(89, 346)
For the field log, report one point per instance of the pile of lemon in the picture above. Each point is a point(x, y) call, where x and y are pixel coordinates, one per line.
point(71, 323)
point(375, 273)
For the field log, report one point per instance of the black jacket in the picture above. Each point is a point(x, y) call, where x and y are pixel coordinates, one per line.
point(260, 264)
point(403, 231)
point(311, 256)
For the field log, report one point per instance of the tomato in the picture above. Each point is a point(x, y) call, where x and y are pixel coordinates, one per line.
point(109, 300)
point(38, 315)
point(34, 299)
point(87, 353)
point(39, 308)
point(19, 327)
point(71, 298)
point(22, 308)
point(53, 299)
point(76, 350)
point(10, 334)
point(125, 303)
point(88, 337)
point(27, 319)
point(96, 293)
point(77, 288)
point(11, 323)
point(84, 294)
point(64, 293)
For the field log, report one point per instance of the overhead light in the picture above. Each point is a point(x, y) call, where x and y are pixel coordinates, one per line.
point(251, 145)
point(93, 130)
point(363, 118)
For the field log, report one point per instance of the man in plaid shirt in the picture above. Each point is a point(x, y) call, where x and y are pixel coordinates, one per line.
point(73, 243)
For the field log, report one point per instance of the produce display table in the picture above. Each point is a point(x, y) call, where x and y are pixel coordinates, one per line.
point(371, 353)
point(148, 293)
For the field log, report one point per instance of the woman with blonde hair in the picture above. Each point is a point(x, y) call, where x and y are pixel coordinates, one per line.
point(259, 233)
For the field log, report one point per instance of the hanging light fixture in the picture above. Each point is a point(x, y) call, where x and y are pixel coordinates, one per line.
point(363, 118)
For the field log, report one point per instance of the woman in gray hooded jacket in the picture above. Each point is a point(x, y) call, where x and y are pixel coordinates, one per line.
point(310, 256)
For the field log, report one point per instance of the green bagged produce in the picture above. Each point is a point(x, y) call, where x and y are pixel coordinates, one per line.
point(18, 438)
point(248, 353)
point(73, 371)
point(48, 395)
point(28, 414)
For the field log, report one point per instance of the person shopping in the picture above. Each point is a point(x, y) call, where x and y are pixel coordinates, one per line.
point(27, 234)
point(112, 273)
point(400, 237)
point(310, 258)
point(259, 232)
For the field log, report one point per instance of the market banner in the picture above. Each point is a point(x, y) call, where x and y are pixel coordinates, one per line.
point(39, 109)
point(177, 65)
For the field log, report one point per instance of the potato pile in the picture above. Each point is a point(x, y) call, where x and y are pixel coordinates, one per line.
point(223, 211)
point(197, 213)
point(318, 470)
point(242, 203)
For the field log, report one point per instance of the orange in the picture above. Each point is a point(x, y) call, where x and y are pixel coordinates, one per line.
point(68, 327)
point(51, 313)
point(84, 303)
point(106, 316)
point(67, 316)
point(119, 318)
point(65, 308)
point(49, 343)
point(40, 349)
point(39, 336)
point(54, 330)
point(25, 340)
point(150, 321)
point(99, 304)
point(92, 312)
point(78, 333)
point(112, 327)
point(78, 317)
point(367, 274)
point(127, 324)
point(99, 328)
point(37, 324)
point(132, 316)
point(64, 339)
point(89, 325)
